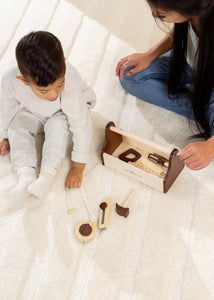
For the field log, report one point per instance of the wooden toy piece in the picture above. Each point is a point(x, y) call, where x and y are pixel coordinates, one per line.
point(105, 213)
point(125, 156)
point(85, 232)
point(158, 159)
point(103, 206)
point(148, 166)
point(124, 210)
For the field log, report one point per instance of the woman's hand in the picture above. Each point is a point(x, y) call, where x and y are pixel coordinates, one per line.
point(74, 177)
point(4, 146)
point(139, 62)
point(197, 155)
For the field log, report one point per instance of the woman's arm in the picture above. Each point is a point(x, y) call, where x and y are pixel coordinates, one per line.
point(162, 47)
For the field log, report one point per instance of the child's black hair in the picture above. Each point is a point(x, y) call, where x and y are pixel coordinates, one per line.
point(40, 58)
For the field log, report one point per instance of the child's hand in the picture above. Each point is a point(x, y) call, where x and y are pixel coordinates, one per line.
point(4, 146)
point(197, 155)
point(74, 177)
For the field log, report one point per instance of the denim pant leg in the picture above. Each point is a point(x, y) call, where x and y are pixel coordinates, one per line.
point(210, 114)
point(151, 85)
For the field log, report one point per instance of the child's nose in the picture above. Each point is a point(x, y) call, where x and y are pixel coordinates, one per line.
point(54, 93)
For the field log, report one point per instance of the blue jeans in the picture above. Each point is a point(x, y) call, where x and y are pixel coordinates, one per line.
point(151, 86)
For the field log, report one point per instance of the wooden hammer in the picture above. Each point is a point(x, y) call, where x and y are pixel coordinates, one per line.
point(124, 210)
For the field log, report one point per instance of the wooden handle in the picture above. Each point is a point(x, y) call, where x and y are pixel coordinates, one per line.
point(104, 220)
point(163, 150)
point(131, 195)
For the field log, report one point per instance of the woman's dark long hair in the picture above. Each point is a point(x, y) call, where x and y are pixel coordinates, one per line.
point(203, 79)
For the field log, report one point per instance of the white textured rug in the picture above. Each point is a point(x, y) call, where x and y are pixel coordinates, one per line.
point(164, 250)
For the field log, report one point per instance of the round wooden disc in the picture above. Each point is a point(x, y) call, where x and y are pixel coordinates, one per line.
point(85, 229)
point(85, 232)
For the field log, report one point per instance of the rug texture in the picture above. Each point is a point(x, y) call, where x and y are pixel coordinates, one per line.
point(164, 250)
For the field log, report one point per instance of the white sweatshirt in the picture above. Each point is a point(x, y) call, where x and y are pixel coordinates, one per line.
point(16, 95)
point(192, 46)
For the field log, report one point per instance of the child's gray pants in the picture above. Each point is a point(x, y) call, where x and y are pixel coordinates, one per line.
point(22, 132)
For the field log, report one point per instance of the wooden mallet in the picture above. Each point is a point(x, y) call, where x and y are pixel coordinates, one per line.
point(124, 210)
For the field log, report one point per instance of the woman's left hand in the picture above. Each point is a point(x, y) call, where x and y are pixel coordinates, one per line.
point(197, 155)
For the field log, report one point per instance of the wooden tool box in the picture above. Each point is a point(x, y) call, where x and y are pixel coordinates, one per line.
point(140, 159)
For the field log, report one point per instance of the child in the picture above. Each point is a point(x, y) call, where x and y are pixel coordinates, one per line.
point(184, 82)
point(44, 94)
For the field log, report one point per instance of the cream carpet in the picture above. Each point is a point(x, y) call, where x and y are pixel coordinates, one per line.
point(164, 250)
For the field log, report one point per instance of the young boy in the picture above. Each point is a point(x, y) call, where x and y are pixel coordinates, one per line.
point(44, 94)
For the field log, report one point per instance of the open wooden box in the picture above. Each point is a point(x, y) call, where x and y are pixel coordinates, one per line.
point(159, 174)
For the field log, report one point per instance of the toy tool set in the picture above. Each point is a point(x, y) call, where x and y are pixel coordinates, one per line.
point(147, 162)
point(85, 231)
point(140, 159)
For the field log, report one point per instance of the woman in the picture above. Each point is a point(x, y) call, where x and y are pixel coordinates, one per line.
point(178, 73)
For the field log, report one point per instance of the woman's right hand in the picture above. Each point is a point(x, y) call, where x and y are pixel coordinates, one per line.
point(4, 146)
point(139, 62)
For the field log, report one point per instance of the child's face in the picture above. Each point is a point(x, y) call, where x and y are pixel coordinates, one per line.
point(50, 92)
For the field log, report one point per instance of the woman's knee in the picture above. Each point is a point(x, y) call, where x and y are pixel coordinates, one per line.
point(157, 70)
point(128, 82)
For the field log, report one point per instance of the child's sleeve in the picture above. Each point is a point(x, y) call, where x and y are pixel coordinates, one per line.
point(9, 107)
point(82, 130)
point(88, 95)
point(78, 99)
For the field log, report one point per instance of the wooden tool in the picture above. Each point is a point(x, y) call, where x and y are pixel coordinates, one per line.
point(148, 166)
point(158, 159)
point(103, 206)
point(124, 210)
point(85, 232)
point(125, 156)
point(105, 212)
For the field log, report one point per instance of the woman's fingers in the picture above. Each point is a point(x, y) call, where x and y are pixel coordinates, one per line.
point(134, 70)
point(191, 160)
point(123, 67)
point(120, 63)
point(195, 166)
point(119, 66)
point(139, 62)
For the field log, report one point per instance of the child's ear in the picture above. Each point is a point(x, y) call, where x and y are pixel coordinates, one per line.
point(65, 58)
point(22, 79)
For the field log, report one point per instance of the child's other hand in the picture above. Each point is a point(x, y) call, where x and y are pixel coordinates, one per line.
point(4, 146)
point(197, 155)
point(74, 177)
